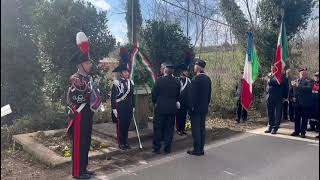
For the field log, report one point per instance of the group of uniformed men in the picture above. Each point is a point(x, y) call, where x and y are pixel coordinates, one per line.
point(173, 99)
point(299, 97)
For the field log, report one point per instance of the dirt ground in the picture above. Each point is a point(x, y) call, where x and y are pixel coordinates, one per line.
point(20, 165)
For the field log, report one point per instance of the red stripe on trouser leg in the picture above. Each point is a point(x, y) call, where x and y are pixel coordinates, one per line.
point(76, 145)
point(118, 123)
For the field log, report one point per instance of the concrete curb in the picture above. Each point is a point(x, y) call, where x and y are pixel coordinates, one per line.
point(49, 157)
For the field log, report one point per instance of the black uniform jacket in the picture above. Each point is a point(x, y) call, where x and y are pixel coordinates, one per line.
point(303, 93)
point(165, 94)
point(185, 84)
point(276, 92)
point(200, 94)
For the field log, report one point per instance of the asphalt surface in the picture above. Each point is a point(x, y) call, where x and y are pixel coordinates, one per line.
point(245, 157)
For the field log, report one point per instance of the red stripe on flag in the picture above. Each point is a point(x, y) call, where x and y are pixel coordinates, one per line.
point(278, 64)
point(76, 144)
point(246, 95)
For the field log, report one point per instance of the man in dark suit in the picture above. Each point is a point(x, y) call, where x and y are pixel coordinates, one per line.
point(303, 102)
point(274, 97)
point(200, 96)
point(314, 118)
point(165, 96)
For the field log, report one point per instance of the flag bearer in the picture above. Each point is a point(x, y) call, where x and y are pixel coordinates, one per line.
point(274, 96)
point(241, 111)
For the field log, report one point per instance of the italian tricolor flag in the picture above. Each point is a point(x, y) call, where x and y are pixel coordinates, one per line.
point(139, 57)
point(281, 54)
point(250, 73)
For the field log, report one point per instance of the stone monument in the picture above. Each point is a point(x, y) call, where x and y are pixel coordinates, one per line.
point(142, 109)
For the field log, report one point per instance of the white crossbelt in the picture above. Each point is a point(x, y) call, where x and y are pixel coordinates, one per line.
point(125, 94)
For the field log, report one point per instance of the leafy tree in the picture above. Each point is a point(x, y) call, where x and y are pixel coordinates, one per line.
point(133, 9)
point(21, 74)
point(164, 42)
point(236, 19)
point(56, 24)
point(296, 14)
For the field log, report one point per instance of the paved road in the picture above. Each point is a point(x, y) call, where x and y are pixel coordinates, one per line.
point(246, 157)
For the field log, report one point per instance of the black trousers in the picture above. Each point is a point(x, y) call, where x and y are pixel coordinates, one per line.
point(163, 128)
point(301, 119)
point(314, 117)
point(198, 129)
point(274, 114)
point(241, 112)
point(81, 140)
point(288, 106)
point(124, 119)
point(181, 118)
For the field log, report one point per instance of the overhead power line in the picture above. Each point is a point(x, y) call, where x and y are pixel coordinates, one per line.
point(195, 13)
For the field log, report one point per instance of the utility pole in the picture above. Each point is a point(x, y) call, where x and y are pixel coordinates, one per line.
point(188, 19)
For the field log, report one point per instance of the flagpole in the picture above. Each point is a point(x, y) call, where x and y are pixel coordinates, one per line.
point(132, 21)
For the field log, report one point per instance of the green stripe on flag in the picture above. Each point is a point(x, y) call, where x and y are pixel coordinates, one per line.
point(284, 43)
point(255, 65)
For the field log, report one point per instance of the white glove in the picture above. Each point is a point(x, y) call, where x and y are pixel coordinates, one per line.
point(134, 109)
point(178, 104)
point(115, 113)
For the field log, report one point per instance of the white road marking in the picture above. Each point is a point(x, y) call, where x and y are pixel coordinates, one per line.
point(230, 173)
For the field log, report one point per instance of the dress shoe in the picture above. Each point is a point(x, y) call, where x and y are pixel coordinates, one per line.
point(167, 150)
point(127, 146)
point(122, 147)
point(303, 136)
point(294, 134)
point(194, 153)
point(90, 172)
point(274, 131)
point(179, 133)
point(267, 131)
point(317, 137)
point(156, 151)
point(82, 176)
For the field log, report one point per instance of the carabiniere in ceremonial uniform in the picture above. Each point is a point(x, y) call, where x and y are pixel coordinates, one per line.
point(122, 103)
point(83, 99)
point(181, 116)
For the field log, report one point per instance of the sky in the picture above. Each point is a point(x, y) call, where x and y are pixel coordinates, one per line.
point(116, 15)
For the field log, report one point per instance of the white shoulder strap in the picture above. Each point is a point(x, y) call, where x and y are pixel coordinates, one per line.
point(125, 94)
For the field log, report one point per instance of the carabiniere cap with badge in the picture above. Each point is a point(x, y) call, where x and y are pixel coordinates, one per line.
point(200, 63)
point(168, 65)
